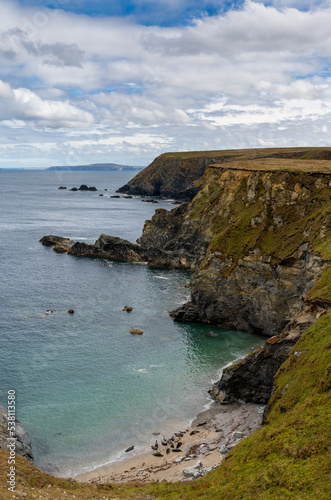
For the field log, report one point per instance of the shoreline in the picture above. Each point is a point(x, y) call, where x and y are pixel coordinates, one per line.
point(205, 443)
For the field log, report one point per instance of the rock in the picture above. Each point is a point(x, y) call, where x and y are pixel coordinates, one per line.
point(224, 450)
point(59, 241)
point(251, 379)
point(127, 197)
point(114, 196)
point(100, 194)
point(128, 309)
point(71, 311)
point(193, 471)
point(22, 443)
point(212, 447)
point(237, 435)
point(83, 187)
point(73, 189)
point(62, 187)
point(60, 249)
point(92, 188)
point(110, 247)
point(129, 449)
point(136, 331)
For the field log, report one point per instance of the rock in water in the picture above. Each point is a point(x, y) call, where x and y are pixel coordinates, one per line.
point(136, 331)
point(127, 309)
point(71, 311)
point(129, 449)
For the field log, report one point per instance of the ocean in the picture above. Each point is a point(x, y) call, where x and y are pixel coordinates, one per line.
point(86, 389)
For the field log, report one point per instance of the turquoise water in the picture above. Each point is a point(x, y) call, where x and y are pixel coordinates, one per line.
point(86, 388)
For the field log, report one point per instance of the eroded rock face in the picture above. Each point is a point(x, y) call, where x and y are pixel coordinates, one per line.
point(260, 262)
point(251, 380)
point(22, 443)
point(257, 296)
point(170, 177)
point(170, 239)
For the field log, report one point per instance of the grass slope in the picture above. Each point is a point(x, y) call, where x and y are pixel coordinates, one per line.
point(289, 458)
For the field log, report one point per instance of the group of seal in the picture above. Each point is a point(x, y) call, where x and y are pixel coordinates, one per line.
point(173, 444)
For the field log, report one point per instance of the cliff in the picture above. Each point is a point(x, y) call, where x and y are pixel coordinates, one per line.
point(179, 175)
point(22, 440)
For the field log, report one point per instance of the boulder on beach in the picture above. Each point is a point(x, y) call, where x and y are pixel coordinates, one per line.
point(136, 331)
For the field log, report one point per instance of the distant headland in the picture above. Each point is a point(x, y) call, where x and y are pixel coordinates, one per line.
point(97, 167)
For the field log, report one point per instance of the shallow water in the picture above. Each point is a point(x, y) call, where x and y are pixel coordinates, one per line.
point(86, 388)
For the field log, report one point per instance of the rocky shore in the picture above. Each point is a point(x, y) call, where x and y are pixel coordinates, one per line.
point(211, 436)
point(22, 440)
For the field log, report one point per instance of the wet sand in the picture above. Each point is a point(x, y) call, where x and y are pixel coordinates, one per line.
point(210, 436)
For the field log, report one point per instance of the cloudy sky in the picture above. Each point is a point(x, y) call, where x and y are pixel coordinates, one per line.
point(85, 81)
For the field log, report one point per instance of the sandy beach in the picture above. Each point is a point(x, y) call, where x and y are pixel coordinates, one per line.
point(203, 446)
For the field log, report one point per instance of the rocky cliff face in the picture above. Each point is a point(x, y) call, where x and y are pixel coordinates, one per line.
point(169, 177)
point(179, 175)
point(266, 229)
point(22, 443)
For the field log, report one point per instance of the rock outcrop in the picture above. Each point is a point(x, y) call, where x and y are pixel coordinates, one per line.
point(109, 247)
point(22, 440)
point(267, 228)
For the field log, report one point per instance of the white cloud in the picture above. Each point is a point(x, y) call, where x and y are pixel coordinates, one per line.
point(22, 106)
point(257, 75)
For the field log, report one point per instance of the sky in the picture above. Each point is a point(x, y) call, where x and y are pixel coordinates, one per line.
point(123, 81)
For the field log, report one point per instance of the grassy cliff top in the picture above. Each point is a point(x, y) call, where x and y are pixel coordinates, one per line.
point(278, 164)
point(321, 153)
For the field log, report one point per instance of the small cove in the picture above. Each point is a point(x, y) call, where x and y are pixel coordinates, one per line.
point(86, 388)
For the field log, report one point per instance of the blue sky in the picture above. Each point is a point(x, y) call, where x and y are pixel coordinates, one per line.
point(146, 12)
point(86, 82)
